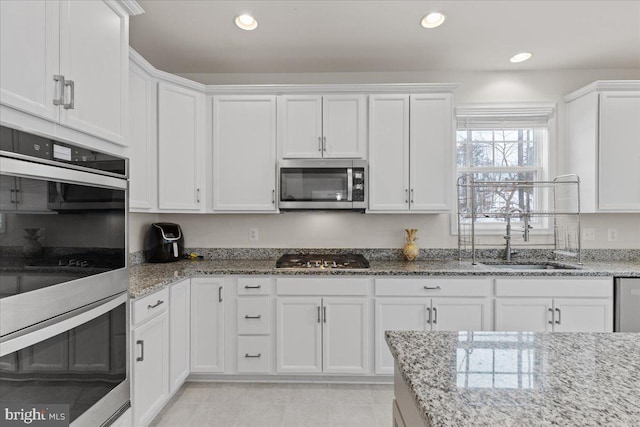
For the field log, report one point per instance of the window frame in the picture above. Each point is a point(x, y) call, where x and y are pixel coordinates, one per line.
point(516, 116)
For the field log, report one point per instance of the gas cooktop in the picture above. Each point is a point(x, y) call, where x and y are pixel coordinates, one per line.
point(323, 261)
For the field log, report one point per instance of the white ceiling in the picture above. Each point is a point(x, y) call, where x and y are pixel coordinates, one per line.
point(384, 36)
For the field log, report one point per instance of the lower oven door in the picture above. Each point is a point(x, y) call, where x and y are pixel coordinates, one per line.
point(79, 360)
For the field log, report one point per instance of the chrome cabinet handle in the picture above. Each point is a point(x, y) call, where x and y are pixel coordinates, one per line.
point(72, 95)
point(252, 287)
point(259, 316)
point(197, 195)
point(324, 143)
point(406, 195)
point(220, 294)
point(429, 318)
point(319, 315)
point(435, 315)
point(141, 357)
point(412, 195)
point(430, 288)
point(247, 355)
point(324, 314)
point(273, 197)
point(559, 318)
point(59, 89)
point(551, 321)
point(149, 307)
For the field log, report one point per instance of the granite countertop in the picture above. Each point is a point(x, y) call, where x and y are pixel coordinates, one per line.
point(147, 278)
point(521, 378)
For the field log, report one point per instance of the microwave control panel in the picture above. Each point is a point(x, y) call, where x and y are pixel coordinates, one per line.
point(358, 185)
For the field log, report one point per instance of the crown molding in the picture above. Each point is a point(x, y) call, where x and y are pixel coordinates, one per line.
point(132, 7)
point(604, 85)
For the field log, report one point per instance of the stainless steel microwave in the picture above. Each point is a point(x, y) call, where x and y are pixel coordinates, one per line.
point(322, 184)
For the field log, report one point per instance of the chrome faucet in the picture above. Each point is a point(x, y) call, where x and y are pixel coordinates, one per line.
point(508, 252)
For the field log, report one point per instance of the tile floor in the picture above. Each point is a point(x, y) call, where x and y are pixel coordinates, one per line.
point(278, 405)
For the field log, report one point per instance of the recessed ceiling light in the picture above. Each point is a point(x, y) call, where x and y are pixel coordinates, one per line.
point(521, 57)
point(246, 22)
point(432, 20)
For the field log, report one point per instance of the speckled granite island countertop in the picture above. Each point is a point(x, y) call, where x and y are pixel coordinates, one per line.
point(147, 278)
point(520, 378)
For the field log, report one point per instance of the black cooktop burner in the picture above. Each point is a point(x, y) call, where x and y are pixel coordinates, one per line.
point(322, 261)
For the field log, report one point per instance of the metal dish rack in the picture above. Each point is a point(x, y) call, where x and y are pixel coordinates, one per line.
point(552, 206)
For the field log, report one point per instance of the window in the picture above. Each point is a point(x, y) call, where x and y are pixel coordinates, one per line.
point(504, 143)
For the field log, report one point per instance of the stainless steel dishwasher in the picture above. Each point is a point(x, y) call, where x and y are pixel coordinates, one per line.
point(627, 305)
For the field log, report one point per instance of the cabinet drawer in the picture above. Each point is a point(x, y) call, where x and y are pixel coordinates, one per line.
point(254, 286)
point(322, 286)
point(254, 315)
point(254, 354)
point(150, 306)
point(552, 287)
point(434, 287)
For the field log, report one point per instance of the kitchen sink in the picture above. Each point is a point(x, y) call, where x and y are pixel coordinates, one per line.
point(529, 266)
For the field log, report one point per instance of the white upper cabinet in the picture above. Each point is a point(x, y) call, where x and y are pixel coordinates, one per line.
point(410, 153)
point(389, 152)
point(181, 136)
point(244, 153)
point(316, 126)
point(36, 25)
point(143, 140)
point(603, 124)
point(70, 65)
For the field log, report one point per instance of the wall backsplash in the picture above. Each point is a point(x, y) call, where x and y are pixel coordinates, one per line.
point(347, 230)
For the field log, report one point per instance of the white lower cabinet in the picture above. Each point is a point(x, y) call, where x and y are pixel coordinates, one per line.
point(254, 354)
point(207, 325)
point(322, 335)
point(150, 368)
point(554, 304)
point(179, 325)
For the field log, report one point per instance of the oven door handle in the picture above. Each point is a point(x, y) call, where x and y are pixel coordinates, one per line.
point(34, 334)
point(349, 184)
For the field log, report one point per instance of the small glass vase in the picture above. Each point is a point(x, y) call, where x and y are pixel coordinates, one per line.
point(410, 250)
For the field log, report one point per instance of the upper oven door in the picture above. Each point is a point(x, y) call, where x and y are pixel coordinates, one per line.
point(53, 261)
point(311, 184)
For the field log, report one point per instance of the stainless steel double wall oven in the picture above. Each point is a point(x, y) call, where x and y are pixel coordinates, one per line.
point(64, 312)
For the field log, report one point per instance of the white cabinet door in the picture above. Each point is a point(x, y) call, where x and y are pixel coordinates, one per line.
point(524, 315)
point(344, 119)
point(431, 147)
point(619, 151)
point(179, 326)
point(300, 126)
point(396, 314)
point(142, 152)
point(389, 152)
point(207, 325)
point(29, 37)
point(244, 153)
point(583, 315)
point(460, 314)
point(346, 335)
point(299, 335)
point(180, 147)
point(94, 52)
point(150, 360)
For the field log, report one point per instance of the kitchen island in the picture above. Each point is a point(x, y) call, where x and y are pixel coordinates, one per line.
point(515, 378)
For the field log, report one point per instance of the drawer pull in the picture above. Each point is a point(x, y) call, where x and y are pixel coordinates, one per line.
point(160, 302)
point(254, 356)
point(259, 316)
point(253, 287)
point(429, 288)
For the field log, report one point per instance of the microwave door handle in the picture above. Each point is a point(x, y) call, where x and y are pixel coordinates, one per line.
point(349, 184)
